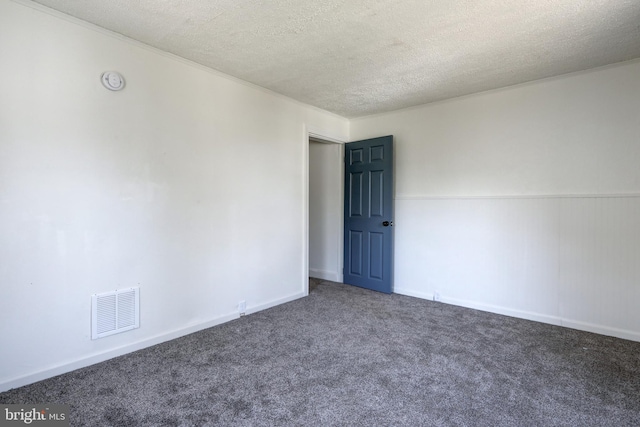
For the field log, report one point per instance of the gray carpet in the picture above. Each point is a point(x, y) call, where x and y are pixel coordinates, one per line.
point(347, 356)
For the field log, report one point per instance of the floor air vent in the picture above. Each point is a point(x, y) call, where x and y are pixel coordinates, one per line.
point(115, 312)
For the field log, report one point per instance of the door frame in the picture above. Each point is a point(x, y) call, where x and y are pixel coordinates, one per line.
point(323, 137)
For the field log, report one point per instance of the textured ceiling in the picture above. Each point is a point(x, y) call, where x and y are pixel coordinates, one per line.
point(359, 57)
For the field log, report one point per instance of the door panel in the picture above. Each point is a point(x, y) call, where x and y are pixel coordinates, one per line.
point(355, 192)
point(377, 193)
point(376, 252)
point(355, 251)
point(368, 246)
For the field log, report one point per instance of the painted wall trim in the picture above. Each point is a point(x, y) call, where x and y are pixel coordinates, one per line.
point(411, 293)
point(275, 302)
point(158, 339)
point(101, 357)
point(505, 311)
point(527, 315)
point(304, 280)
point(602, 330)
point(518, 196)
point(323, 135)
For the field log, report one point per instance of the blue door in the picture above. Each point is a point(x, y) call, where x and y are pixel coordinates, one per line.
point(368, 214)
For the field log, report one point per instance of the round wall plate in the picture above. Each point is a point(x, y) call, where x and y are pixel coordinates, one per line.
point(112, 80)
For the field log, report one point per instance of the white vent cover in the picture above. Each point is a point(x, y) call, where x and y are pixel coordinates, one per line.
point(115, 312)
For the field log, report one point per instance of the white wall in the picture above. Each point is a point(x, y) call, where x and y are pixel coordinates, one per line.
point(325, 210)
point(525, 200)
point(186, 183)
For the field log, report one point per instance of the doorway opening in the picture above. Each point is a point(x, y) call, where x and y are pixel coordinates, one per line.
point(325, 210)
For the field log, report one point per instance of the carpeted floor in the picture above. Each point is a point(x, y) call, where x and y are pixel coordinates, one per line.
point(347, 356)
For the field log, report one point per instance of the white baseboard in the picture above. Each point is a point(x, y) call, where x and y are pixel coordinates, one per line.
point(325, 275)
point(139, 345)
point(274, 302)
point(177, 333)
point(521, 314)
point(506, 311)
point(602, 330)
point(411, 293)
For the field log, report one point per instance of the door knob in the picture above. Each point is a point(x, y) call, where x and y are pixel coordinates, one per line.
point(387, 223)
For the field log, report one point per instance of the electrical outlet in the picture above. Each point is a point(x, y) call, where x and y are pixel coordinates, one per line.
point(436, 296)
point(242, 307)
